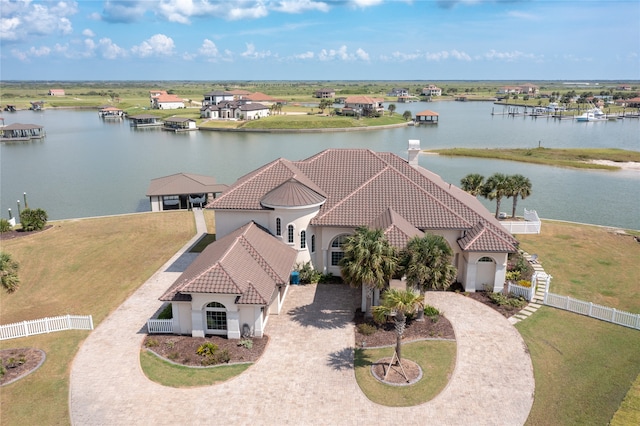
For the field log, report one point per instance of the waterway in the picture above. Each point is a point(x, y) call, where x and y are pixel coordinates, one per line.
point(87, 166)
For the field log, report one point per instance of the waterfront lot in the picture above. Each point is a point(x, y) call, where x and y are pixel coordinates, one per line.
point(583, 367)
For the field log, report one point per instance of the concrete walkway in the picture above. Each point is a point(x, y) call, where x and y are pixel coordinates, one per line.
point(306, 374)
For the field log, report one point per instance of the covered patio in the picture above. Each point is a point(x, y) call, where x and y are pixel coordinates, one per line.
point(182, 191)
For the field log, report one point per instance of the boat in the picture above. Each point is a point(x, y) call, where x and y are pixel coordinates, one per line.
point(593, 114)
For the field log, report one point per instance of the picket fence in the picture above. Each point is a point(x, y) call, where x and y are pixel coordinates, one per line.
point(46, 325)
point(593, 310)
point(531, 225)
point(159, 326)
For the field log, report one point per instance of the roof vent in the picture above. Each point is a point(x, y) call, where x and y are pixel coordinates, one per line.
point(414, 152)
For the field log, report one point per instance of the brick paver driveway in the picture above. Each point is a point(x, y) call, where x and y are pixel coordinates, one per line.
point(305, 376)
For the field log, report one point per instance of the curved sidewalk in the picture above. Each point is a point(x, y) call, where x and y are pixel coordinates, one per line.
point(306, 374)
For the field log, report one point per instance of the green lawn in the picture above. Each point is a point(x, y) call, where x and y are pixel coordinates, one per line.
point(577, 158)
point(583, 367)
point(436, 358)
point(179, 376)
point(83, 267)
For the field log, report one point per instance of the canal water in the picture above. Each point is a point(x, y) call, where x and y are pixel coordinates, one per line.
point(87, 166)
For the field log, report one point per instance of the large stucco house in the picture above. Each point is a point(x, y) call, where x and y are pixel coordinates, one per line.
point(310, 206)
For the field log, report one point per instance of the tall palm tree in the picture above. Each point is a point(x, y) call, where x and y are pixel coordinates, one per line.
point(495, 188)
point(426, 264)
point(519, 186)
point(472, 183)
point(398, 303)
point(369, 260)
point(9, 273)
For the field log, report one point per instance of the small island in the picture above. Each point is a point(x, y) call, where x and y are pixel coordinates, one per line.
point(582, 158)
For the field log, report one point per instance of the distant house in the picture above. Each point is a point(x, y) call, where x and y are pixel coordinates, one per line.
point(182, 191)
point(525, 89)
point(427, 117)
point(362, 105)
point(56, 92)
point(431, 90)
point(398, 91)
point(624, 88)
point(21, 132)
point(325, 93)
point(110, 112)
point(216, 96)
point(238, 110)
point(261, 98)
point(160, 99)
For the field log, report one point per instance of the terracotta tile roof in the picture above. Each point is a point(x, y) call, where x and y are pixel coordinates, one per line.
point(167, 98)
point(396, 228)
point(481, 239)
point(258, 96)
point(360, 185)
point(292, 194)
point(427, 113)
point(361, 99)
point(184, 183)
point(248, 262)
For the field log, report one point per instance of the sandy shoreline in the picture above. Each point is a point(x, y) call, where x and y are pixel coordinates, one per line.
point(624, 165)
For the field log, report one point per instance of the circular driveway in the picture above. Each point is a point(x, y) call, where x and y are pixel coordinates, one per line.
point(306, 374)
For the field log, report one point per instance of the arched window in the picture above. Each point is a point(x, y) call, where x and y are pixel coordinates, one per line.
point(313, 244)
point(303, 239)
point(335, 251)
point(290, 234)
point(485, 259)
point(278, 226)
point(216, 317)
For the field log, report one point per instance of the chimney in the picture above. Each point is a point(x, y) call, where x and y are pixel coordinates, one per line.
point(414, 152)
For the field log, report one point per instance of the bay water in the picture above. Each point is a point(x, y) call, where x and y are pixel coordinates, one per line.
point(87, 166)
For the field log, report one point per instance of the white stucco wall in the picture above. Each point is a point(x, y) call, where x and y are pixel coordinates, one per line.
point(299, 218)
point(228, 221)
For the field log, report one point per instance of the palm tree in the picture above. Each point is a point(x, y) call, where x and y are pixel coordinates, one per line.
point(391, 108)
point(426, 264)
point(472, 183)
point(398, 303)
point(9, 273)
point(369, 260)
point(519, 186)
point(496, 187)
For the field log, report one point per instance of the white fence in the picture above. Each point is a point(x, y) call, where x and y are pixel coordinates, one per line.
point(531, 224)
point(593, 310)
point(159, 326)
point(46, 325)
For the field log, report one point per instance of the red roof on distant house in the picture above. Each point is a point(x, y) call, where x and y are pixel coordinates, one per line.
point(427, 113)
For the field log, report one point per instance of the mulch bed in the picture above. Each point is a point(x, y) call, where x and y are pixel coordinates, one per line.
point(504, 310)
point(182, 349)
point(19, 362)
point(385, 334)
point(397, 375)
point(10, 235)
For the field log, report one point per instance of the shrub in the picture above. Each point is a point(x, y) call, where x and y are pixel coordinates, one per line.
point(5, 226)
point(308, 275)
point(151, 343)
point(524, 283)
point(432, 312)
point(167, 313)
point(2, 370)
point(33, 219)
point(207, 349)
point(366, 329)
point(516, 302)
point(512, 275)
point(246, 343)
point(173, 355)
point(222, 357)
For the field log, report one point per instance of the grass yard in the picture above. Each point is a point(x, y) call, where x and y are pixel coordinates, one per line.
point(577, 158)
point(87, 266)
point(583, 367)
point(589, 263)
point(179, 376)
point(436, 358)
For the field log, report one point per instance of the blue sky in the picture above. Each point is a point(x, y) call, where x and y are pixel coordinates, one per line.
point(319, 40)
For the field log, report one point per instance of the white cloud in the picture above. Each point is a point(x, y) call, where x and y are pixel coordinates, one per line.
point(22, 56)
point(23, 20)
point(208, 49)
point(331, 54)
point(253, 54)
point(32, 52)
point(88, 33)
point(361, 54)
point(157, 45)
point(431, 56)
point(119, 11)
point(507, 56)
point(300, 6)
point(365, 3)
point(305, 55)
point(109, 50)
